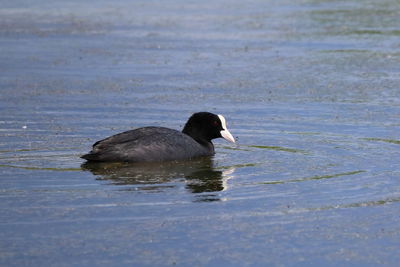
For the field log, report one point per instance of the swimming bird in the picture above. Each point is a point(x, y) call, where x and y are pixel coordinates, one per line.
point(152, 144)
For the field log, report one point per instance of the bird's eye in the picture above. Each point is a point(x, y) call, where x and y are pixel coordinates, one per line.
point(215, 123)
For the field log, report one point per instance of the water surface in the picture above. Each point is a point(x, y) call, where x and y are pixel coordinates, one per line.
point(310, 89)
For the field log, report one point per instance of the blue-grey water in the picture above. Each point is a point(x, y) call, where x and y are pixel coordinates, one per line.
point(310, 89)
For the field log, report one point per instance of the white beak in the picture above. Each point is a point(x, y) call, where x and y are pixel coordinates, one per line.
point(225, 133)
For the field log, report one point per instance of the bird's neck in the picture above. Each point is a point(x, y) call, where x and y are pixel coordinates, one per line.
point(198, 137)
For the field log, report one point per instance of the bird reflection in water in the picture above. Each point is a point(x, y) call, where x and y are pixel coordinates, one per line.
point(200, 176)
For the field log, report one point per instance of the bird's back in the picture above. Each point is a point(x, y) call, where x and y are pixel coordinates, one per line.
point(148, 144)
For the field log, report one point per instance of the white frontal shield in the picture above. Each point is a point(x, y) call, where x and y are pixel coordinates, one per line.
point(225, 133)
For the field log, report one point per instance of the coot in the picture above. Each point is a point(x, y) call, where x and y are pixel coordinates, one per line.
point(149, 144)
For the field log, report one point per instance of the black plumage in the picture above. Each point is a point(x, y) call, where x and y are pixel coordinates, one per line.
point(149, 144)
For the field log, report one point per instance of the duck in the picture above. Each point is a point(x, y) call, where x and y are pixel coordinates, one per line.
point(157, 144)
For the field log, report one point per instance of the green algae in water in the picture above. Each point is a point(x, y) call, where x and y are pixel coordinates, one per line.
point(317, 177)
point(359, 204)
point(275, 148)
point(391, 141)
point(244, 165)
point(32, 168)
point(278, 148)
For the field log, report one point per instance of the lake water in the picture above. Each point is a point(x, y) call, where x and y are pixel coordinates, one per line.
point(309, 88)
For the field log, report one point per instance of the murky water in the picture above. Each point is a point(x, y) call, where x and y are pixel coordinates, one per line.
point(310, 90)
